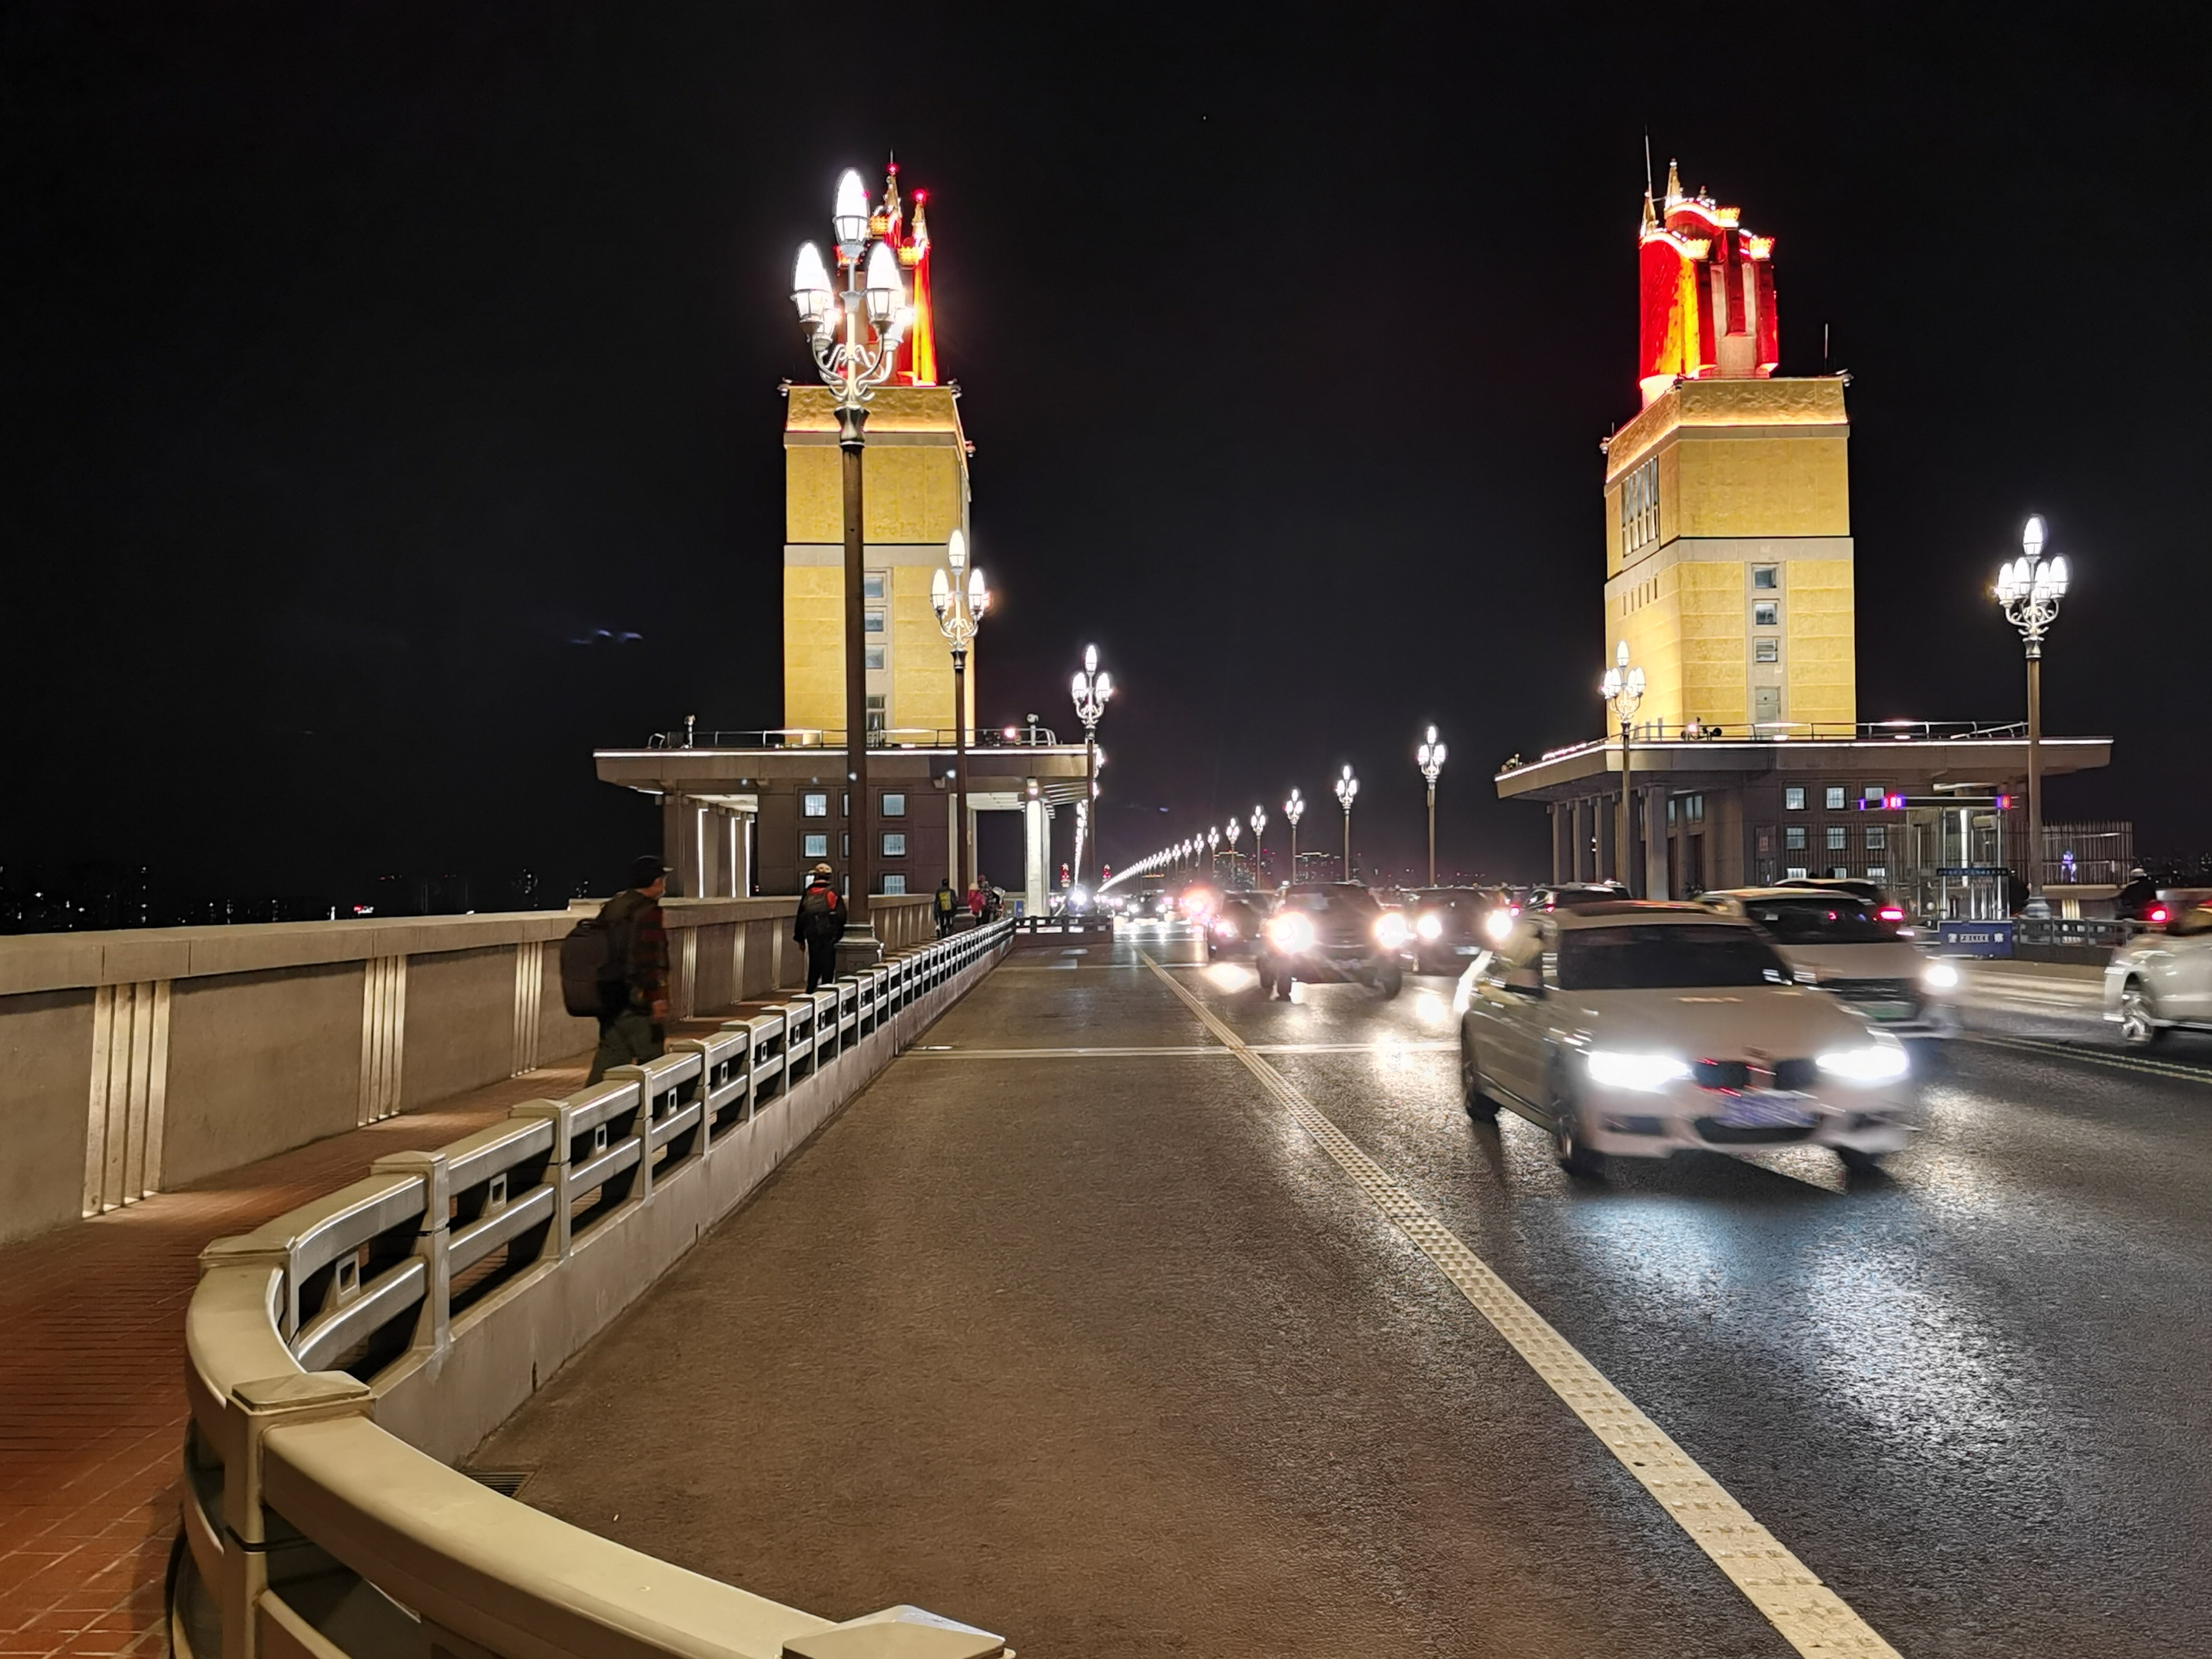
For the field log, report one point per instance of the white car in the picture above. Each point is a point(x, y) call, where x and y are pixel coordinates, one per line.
point(2162, 978)
point(1839, 942)
point(1643, 1029)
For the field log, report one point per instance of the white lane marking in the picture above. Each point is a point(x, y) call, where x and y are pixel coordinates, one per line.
point(1812, 1618)
point(941, 1051)
point(2095, 1057)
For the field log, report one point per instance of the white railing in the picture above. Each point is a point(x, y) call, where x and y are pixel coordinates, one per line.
point(341, 1357)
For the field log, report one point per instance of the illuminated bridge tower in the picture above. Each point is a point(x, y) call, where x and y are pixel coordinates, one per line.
point(1729, 562)
point(915, 495)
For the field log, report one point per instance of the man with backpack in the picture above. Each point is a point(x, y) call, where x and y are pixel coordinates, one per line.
point(947, 901)
point(820, 924)
point(631, 975)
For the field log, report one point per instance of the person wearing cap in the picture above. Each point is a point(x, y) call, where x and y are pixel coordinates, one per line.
point(634, 1006)
point(820, 925)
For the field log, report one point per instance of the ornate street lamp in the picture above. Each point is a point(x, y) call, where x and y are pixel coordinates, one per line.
point(1294, 809)
point(1092, 692)
point(1347, 789)
point(1430, 755)
point(1230, 831)
point(1213, 851)
point(960, 596)
point(2029, 589)
point(853, 333)
point(1623, 687)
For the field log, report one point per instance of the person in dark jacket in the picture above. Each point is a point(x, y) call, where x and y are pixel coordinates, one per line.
point(634, 1007)
point(820, 925)
point(946, 902)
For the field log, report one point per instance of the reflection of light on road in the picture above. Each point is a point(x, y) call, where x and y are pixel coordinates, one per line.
point(1432, 1008)
point(1228, 976)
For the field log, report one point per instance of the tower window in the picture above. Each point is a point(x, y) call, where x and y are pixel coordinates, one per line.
point(1793, 798)
point(1766, 649)
point(1835, 798)
point(1766, 578)
point(872, 583)
point(1767, 613)
point(1639, 506)
point(874, 623)
point(873, 655)
point(1836, 837)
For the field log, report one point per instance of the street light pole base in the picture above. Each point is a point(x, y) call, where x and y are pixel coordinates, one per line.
point(859, 948)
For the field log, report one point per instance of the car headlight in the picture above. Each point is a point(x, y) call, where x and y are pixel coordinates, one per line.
point(1226, 929)
point(1391, 929)
point(1940, 977)
point(1291, 934)
point(1643, 1072)
point(1497, 924)
point(1431, 926)
point(1877, 1062)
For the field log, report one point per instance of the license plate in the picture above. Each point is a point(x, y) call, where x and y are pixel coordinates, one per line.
point(1759, 1108)
point(1887, 1009)
point(1465, 949)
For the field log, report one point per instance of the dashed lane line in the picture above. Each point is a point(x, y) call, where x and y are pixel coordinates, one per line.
point(1812, 1618)
point(1210, 1050)
point(2089, 1056)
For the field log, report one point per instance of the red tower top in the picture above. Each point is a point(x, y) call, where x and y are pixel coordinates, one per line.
point(1708, 293)
point(917, 359)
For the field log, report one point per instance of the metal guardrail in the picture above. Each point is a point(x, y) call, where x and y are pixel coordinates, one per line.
point(313, 1531)
point(1796, 732)
point(1024, 736)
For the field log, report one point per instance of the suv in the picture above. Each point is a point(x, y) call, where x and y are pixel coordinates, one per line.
point(1837, 941)
point(1331, 933)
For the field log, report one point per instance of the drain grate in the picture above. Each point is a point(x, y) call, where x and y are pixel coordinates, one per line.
point(508, 1483)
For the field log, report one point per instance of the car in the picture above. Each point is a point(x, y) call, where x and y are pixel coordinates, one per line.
point(1566, 894)
point(1869, 893)
point(1234, 932)
point(2162, 979)
point(1843, 944)
point(1447, 927)
point(1645, 1029)
point(1331, 933)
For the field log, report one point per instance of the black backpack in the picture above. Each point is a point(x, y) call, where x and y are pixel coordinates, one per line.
point(595, 962)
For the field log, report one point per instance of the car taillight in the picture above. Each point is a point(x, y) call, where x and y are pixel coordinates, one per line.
point(1891, 913)
point(2158, 915)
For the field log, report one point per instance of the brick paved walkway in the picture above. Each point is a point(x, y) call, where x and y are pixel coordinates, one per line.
point(92, 1357)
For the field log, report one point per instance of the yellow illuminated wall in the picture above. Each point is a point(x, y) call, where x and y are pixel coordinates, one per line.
point(1730, 484)
point(915, 494)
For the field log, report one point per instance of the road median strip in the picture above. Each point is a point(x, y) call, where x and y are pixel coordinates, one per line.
point(1812, 1618)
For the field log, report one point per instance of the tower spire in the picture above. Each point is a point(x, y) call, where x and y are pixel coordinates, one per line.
point(1674, 183)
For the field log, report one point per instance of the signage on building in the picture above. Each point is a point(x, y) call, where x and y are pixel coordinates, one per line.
point(1976, 938)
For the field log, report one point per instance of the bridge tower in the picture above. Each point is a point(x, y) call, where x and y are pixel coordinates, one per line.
point(1729, 552)
point(916, 493)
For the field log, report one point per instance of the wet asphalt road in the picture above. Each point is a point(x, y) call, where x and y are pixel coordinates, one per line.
point(1102, 1351)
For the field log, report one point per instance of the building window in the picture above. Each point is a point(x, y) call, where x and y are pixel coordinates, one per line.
point(873, 655)
point(1766, 578)
point(814, 847)
point(873, 583)
point(894, 845)
point(1766, 648)
point(1877, 872)
point(1873, 795)
point(877, 717)
point(1762, 841)
point(845, 845)
point(814, 805)
point(1796, 872)
point(1836, 835)
point(1877, 838)
point(894, 885)
point(1639, 506)
point(1793, 798)
point(1793, 838)
point(1837, 872)
point(894, 804)
point(1767, 613)
point(874, 623)
point(1835, 798)
point(1694, 806)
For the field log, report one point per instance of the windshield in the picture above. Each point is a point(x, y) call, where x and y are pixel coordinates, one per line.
point(1830, 920)
point(1678, 955)
point(1323, 899)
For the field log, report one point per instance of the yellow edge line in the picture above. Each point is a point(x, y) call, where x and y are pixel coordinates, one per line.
point(1812, 1618)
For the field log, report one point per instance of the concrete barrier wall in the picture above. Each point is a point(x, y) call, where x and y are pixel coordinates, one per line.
point(149, 1058)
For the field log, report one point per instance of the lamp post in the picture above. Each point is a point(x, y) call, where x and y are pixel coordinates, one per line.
point(1430, 755)
point(1230, 831)
point(1347, 787)
point(960, 596)
point(1213, 851)
point(2029, 589)
point(1092, 692)
point(1082, 824)
point(854, 334)
point(1294, 809)
point(1623, 687)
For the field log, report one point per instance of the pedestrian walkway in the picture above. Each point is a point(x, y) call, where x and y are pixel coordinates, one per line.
point(92, 1399)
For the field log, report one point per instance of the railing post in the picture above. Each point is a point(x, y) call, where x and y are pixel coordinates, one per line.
point(641, 1185)
point(303, 1397)
point(558, 1114)
point(431, 1239)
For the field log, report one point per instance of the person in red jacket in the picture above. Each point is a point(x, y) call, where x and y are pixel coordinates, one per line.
point(820, 925)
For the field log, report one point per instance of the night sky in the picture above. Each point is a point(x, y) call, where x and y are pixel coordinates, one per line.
point(360, 358)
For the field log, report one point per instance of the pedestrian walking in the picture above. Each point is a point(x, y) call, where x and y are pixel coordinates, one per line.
point(820, 925)
point(947, 901)
point(975, 900)
point(633, 988)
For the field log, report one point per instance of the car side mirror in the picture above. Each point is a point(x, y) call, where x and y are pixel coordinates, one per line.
point(1524, 981)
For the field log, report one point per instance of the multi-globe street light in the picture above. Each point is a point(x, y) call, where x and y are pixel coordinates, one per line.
point(1431, 757)
point(1092, 692)
point(1294, 809)
point(1213, 851)
point(1259, 828)
point(1230, 831)
point(1347, 790)
point(1623, 690)
point(960, 596)
point(2029, 588)
point(853, 333)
